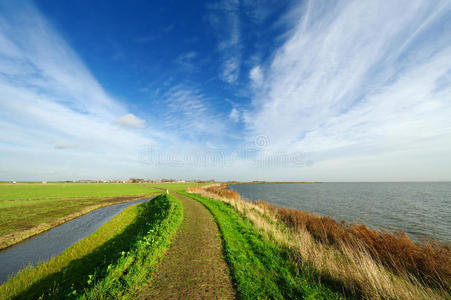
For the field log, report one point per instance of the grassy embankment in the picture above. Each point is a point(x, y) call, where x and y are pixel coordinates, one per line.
point(260, 268)
point(29, 209)
point(363, 262)
point(113, 262)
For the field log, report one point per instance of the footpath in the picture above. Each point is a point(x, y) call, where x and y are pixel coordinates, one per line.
point(194, 266)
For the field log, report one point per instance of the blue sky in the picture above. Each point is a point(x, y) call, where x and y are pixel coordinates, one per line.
point(232, 90)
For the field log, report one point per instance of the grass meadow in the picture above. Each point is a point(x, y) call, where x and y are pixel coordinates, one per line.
point(29, 209)
point(51, 191)
point(114, 262)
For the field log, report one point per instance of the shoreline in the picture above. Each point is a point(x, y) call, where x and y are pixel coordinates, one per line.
point(271, 182)
point(355, 255)
point(320, 202)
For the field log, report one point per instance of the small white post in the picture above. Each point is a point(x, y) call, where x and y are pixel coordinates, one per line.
point(167, 191)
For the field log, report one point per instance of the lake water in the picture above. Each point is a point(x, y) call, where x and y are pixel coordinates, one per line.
point(51, 243)
point(421, 209)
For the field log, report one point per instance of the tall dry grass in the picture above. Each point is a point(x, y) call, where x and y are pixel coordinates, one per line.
point(429, 262)
point(365, 262)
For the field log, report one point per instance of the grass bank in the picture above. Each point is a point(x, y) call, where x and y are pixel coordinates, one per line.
point(110, 263)
point(29, 209)
point(260, 267)
point(363, 262)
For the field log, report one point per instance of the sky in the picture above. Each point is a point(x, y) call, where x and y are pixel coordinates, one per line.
point(231, 90)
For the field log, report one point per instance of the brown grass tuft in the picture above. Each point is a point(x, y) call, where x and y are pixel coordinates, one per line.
point(429, 262)
point(222, 192)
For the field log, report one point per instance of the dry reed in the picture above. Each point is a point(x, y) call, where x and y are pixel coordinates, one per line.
point(370, 263)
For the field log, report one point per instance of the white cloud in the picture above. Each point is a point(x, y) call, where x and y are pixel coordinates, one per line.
point(50, 101)
point(234, 115)
point(55, 116)
point(256, 75)
point(231, 70)
point(225, 19)
point(360, 79)
point(259, 11)
point(186, 60)
point(130, 120)
point(186, 110)
point(362, 88)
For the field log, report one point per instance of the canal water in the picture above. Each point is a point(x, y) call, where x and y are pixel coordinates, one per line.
point(51, 243)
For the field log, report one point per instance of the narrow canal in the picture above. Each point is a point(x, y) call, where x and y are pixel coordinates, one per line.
point(51, 243)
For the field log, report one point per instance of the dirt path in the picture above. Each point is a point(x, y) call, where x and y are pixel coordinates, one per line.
point(194, 266)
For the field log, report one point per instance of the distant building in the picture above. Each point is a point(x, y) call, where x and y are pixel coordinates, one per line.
point(136, 180)
point(168, 180)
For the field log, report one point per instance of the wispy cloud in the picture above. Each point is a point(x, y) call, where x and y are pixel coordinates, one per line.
point(168, 28)
point(234, 115)
point(359, 78)
point(151, 37)
point(225, 19)
point(354, 85)
point(50, 101)
point(187, 110)
point(256, 76)
point(258, 11)
point(187, 61)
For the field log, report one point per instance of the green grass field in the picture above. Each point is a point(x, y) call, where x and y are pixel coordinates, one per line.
point(28, 209)
point(113, 262)
point(23, 193)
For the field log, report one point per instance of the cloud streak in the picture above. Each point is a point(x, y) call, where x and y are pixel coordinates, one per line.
point(51, 102)
point(359, 79)
point(354, 85)
point(187, 110)
point(225, 19)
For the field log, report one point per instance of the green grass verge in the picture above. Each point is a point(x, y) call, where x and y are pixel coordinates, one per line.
point(111, 262)
point(260, 268)
point(126, 278)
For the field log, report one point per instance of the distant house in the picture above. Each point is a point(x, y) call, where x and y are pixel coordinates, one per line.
point(14, 182)
point(136, 180)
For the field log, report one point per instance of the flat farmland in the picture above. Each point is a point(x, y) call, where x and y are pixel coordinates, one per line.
point(29, 209)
